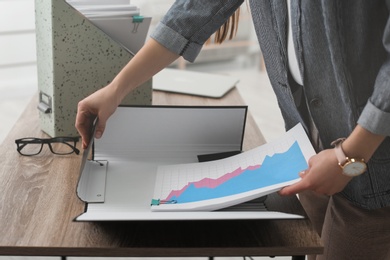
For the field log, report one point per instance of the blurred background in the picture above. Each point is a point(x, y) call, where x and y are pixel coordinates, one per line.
point(240, 57)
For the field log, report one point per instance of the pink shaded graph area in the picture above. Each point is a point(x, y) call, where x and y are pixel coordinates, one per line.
point(211, 183)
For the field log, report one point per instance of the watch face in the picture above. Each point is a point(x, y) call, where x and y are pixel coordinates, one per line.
point(354, 168)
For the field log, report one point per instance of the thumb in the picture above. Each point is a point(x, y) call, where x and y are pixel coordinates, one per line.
point(294, 188)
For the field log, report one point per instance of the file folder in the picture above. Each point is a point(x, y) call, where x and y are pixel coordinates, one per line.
point(118, 183)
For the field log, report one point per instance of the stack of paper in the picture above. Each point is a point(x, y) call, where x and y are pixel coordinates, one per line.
point(104, 8)
point(118, 19)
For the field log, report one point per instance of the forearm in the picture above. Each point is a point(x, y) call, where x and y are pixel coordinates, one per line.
point(152, 58)
point(361, 143)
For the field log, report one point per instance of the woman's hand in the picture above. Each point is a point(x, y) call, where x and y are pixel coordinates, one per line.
point(101, 104)
point(323, 176)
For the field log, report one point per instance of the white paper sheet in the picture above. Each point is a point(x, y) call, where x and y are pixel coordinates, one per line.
point(219, 184)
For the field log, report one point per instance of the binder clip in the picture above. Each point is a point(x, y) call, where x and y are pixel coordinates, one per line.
point(137, 19)
point(156, 202)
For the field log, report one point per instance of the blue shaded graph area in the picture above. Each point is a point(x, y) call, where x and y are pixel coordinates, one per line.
point(275, 169)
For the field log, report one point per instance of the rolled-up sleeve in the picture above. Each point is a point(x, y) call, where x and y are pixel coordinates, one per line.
point(189, 23)
point(376, 114)
point(375, 120)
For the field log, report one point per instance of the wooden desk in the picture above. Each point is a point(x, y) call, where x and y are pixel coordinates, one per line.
point(38, 203)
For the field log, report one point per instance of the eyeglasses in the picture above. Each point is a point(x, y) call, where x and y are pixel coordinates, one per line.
point(58, 145)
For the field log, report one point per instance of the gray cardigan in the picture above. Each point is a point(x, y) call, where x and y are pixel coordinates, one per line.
point(343, 52)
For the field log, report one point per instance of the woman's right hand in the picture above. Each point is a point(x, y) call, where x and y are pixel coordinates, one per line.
point(101, 104)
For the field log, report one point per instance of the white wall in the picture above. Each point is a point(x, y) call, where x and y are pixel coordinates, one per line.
point(17, 49)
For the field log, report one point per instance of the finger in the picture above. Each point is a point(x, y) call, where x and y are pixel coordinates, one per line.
point(84, 125)
point(294, 188)
point(85, 137)
point(101, 126)
point(302, 174)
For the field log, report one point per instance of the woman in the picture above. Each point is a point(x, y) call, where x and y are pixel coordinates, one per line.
point(328, 64)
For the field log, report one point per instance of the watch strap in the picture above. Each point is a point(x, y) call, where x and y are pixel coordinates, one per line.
point(341, 157)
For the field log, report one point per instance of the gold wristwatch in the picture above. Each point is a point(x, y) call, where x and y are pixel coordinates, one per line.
point(351, 166)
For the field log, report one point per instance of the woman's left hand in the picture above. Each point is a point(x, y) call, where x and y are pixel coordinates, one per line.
point(323, 176)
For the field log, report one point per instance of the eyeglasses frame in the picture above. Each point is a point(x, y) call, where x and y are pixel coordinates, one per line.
point(22, 142)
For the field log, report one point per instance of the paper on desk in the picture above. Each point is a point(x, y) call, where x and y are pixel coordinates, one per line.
point(223, 183)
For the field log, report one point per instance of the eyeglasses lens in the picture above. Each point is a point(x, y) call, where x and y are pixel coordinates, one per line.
point(62, 147)
point(30, 147)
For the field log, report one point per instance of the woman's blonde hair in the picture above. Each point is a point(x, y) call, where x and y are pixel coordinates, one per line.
point(228, 29)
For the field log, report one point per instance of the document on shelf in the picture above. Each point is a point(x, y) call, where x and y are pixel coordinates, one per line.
point(124, 30)
point(98, 2)
point(105, 8)
point(214, 185)
point(119, 19)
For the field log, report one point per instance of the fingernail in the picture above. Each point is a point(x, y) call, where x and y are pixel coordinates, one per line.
point(98, 134)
